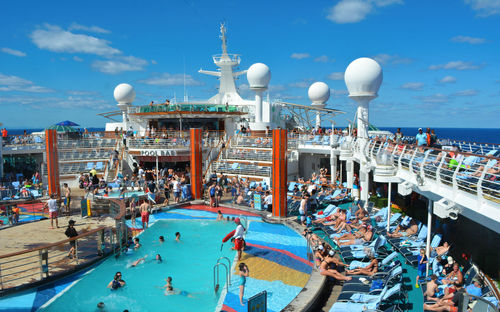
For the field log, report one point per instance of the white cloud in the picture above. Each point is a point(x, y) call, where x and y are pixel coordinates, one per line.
point(485, 8)
point(391, 59)
point(299, 56)
point(291, 97)
point(448, 79)
point(154, 62)
point(468, 92)
point(276, 88)
point(304, 83)
point(167, 79)
point(13, 52)
point(77, 59)
point(55, 39)
point(416, 86)
point(39, 102)
point(338, 93)
point(458, 65)
point(353, 11)
point(119, 65)
point(336, 76)
point(322, 59)
point(94, 29)
point(14, 83)
point(433, 99)
point(467, 39)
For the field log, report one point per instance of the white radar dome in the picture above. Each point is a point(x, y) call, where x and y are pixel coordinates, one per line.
point(124, 93)
point(363, 77)
point(258, 76)
point(319, 92)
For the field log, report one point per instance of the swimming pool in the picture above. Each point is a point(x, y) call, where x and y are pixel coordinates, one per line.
point(190, 264)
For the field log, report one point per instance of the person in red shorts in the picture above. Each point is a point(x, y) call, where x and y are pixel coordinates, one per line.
point(448, 302)
point(52, 206)
point(144, 214)
point(239, 242)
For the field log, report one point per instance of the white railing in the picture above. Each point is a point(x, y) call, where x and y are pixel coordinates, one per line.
point(463, 172)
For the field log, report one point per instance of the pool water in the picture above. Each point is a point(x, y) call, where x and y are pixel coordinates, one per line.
point(189, 263)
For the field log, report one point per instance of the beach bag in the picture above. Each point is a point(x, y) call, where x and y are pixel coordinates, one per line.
point(212, 191)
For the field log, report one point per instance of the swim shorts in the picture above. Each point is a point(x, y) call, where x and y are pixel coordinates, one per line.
point(145, 217)
point(238, 244)
point(421, 273)
point(53, 214)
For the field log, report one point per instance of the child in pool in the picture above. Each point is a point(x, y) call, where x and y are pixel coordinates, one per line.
point(244, 273)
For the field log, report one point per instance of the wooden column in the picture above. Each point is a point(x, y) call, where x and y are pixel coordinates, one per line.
point(196, 163)
point(52, 162)
point(279, 173)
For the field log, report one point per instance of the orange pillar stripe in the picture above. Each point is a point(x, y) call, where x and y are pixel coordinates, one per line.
point(52, 162)
point(196, 163)
point(279, 174)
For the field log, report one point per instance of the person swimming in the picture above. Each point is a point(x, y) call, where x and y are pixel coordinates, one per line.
point(117, 281)
point(171, 291)
point(177, 237)
point(161, 239)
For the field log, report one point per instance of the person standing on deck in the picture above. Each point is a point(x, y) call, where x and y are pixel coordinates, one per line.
point(67, 199)
point(51, 204)
point(144, 214)
point(421, 138)
point(71, 232)
point(238, 237)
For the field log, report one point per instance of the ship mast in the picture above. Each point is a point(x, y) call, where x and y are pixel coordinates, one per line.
point(228, 94)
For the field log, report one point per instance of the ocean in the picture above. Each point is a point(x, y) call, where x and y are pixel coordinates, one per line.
point(477, 135)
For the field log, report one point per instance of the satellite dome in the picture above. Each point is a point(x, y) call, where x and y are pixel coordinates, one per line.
point(124, 93)
point(319, 92)
point(363, 77)
point(258, 76)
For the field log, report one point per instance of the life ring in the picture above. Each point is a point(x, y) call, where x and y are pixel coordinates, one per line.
point(228, 236)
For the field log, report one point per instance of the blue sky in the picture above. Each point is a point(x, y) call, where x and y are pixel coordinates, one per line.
point(62, 59)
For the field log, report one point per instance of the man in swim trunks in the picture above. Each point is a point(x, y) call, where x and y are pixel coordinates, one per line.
point(144, 208)
point(238, 237)
point(51, 204)
point(432, 289)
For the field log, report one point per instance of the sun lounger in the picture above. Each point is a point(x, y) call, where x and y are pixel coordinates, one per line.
point(364, 302)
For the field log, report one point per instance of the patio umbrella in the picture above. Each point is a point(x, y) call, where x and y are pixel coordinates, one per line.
point(67, 123)
point(59, 128)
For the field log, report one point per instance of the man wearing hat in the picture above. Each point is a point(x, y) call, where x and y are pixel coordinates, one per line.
point(421, 138)
point(238, 237)
point(71, 232)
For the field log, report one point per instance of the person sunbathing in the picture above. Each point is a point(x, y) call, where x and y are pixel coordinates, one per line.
point(324, 269)
point(369, 270)
point(454, 276)
point(367, 237)
point(402, 232)
point(432, 289)
point(349, 236)
point(448, 302)
point(441, 250)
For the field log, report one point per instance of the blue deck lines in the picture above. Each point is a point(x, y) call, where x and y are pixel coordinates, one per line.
point(277, 259)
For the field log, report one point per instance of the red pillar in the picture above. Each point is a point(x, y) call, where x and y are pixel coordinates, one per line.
point(52, 162)
point(196, 163)
point(279, 174)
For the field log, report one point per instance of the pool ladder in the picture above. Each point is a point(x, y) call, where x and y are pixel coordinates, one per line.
point(216, 273)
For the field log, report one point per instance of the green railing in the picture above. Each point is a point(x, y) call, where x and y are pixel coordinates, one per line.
point(163, 108)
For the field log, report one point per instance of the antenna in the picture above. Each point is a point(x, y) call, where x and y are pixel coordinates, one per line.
point(223, 37)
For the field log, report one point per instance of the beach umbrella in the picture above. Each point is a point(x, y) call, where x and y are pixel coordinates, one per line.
point(59, 128)
point(67, 123)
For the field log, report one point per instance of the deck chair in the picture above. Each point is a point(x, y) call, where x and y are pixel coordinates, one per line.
point(364, 287)
point(361, 279)
point(99, 165)
point(411, 241)
point(412, 254)
point(362, 302)
point(90, 165)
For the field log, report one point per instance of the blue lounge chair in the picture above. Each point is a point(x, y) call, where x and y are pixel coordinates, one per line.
point(90, 165)
point(99, 165)
point(393, 277)
point(362, 302)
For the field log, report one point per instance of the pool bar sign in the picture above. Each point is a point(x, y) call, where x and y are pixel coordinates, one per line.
point(158, 152)
point(258, 303)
